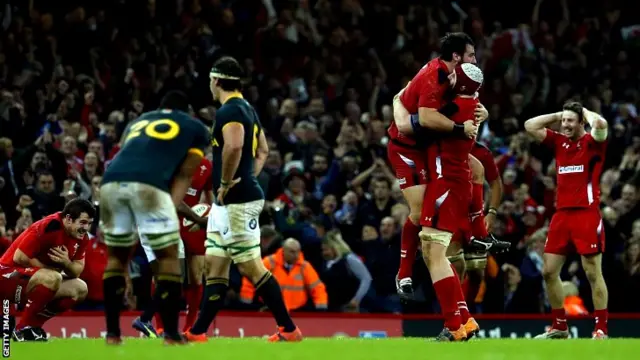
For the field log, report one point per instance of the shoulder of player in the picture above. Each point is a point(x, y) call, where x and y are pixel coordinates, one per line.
point(51, 225)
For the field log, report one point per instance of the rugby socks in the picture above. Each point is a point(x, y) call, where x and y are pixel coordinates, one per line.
point(193, 297)
point(37, 301)
point(409, 240)
point(269, 290)
point(602, 316)
point(462, 304)
point(447, 297)
point(478, 229)
point(114, 286)
point(559, 319)
point(55, 307)
point(150, 310)
point(215, 292)
point(167, 299)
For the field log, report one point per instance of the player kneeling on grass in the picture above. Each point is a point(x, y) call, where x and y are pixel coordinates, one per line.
point(577, 223)
point(233, 234)
point(40, 270)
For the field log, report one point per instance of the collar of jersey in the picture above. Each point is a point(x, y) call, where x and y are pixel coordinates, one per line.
point(234, 94)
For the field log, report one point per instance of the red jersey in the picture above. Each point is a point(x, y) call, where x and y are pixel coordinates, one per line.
point(452, 154)
point(578, 168)
point(425, 90)
point(484, 155)
point(201, 180)
point(42, 236)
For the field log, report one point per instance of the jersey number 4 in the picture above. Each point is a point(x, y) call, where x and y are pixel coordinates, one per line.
point(150, 128)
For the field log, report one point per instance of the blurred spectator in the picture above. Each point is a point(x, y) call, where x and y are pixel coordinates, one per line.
point(300, 284)
point(573, 304)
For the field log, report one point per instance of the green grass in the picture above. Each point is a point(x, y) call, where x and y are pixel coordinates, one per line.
point(334, 349)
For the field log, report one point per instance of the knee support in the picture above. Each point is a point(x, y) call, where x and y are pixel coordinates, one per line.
point(476, 261)
point(442, 238)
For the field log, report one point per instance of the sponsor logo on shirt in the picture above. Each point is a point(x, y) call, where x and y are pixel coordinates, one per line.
point(192, 192)
point(570, 169)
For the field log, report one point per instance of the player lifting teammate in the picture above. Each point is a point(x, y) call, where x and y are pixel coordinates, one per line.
point(42, 267)
point(233, 233)
point(424, 97)
point(141, 188)
point(577, 223)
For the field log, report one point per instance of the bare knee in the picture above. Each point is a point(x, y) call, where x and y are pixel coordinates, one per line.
point(79, 289)
point(414, 217)
point(48, 278)
point(550, 272)
point(254, 269)
point(592, 270)
point(217, 267)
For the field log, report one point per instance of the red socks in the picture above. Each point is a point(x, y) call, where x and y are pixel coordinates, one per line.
point(193, 296)
point(37, 301)
point(460, 301)
point(478, 229)
point(57, 306)
point(408, 247)
point(602, 316)
point(448, 298)
point(559, 319)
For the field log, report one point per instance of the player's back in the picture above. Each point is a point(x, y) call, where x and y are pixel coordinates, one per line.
point(427, 88)
point(578, 168)
point(452, 154)
point(238, 110)
point(154, 146)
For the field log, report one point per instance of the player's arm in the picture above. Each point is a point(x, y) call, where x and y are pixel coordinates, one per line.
point(184, 210)
point(33, 243)
point(233, 135)
point(261, 153)
point(599, 126)
point(401, 115)
point(22, 259)
point(537, 126)
point(182, 179)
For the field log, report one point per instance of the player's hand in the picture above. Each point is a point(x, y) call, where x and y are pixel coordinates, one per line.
point(224, 189)
point(481, 113)
point(201, 223)
point(60, 255)
point(470, 129)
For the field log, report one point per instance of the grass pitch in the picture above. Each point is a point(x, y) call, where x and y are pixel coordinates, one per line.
point(334, 349)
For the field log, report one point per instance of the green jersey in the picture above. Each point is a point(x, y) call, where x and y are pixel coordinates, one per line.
point(238, 110)
point(154, 147)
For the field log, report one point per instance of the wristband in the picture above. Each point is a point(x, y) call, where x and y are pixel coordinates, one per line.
point(458, 130)
point(492, 211)
point(415, 123)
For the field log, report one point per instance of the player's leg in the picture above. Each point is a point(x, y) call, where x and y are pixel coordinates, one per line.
point(70, 293)
point(408, 165)
point(118, 227)
point(555, 250)
point(195, 250)
point(245, 252)
point(455, 254)
point(40, 290)
point(143, 323)
point(589, 240)
point(218, 261)
point(148, 207)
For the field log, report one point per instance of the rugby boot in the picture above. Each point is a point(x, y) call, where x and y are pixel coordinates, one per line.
point(553, 334)
point(30, 334)
point(281, 335)
point(146, 328)
point(599, 335)
point(196, 338)
point(448, 335)
point(404, 287)
point(113, 339)
point(176, 339)
point(471, 327)
point(490, 243)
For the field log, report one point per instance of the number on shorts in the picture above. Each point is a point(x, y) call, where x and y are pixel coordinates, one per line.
point(150, 129)
point(254, 145)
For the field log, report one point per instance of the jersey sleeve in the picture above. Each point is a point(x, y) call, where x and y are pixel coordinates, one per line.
point(551, 139)
point(490, 168)
point(598, 147)
point(37, 242)
point(430, 90)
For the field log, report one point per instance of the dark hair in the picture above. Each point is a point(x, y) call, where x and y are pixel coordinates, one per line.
point(76, 207)
point(576, 107)
point(454, 43)
point(231, 72)
point(383, 179)
point(43, 173)
point(175, 100)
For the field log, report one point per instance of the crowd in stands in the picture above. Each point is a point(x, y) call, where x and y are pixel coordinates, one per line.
point(322, 75)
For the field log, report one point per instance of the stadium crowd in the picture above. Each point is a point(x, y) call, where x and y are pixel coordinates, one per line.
point(322, 75)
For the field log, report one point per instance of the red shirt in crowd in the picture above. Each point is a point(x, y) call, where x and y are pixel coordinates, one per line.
point(96, 262)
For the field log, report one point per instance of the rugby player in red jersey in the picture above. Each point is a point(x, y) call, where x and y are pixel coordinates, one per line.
point(41, 267)
point(423, 96)
point(577, 223)
point(193, 239)
point(445, 209)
